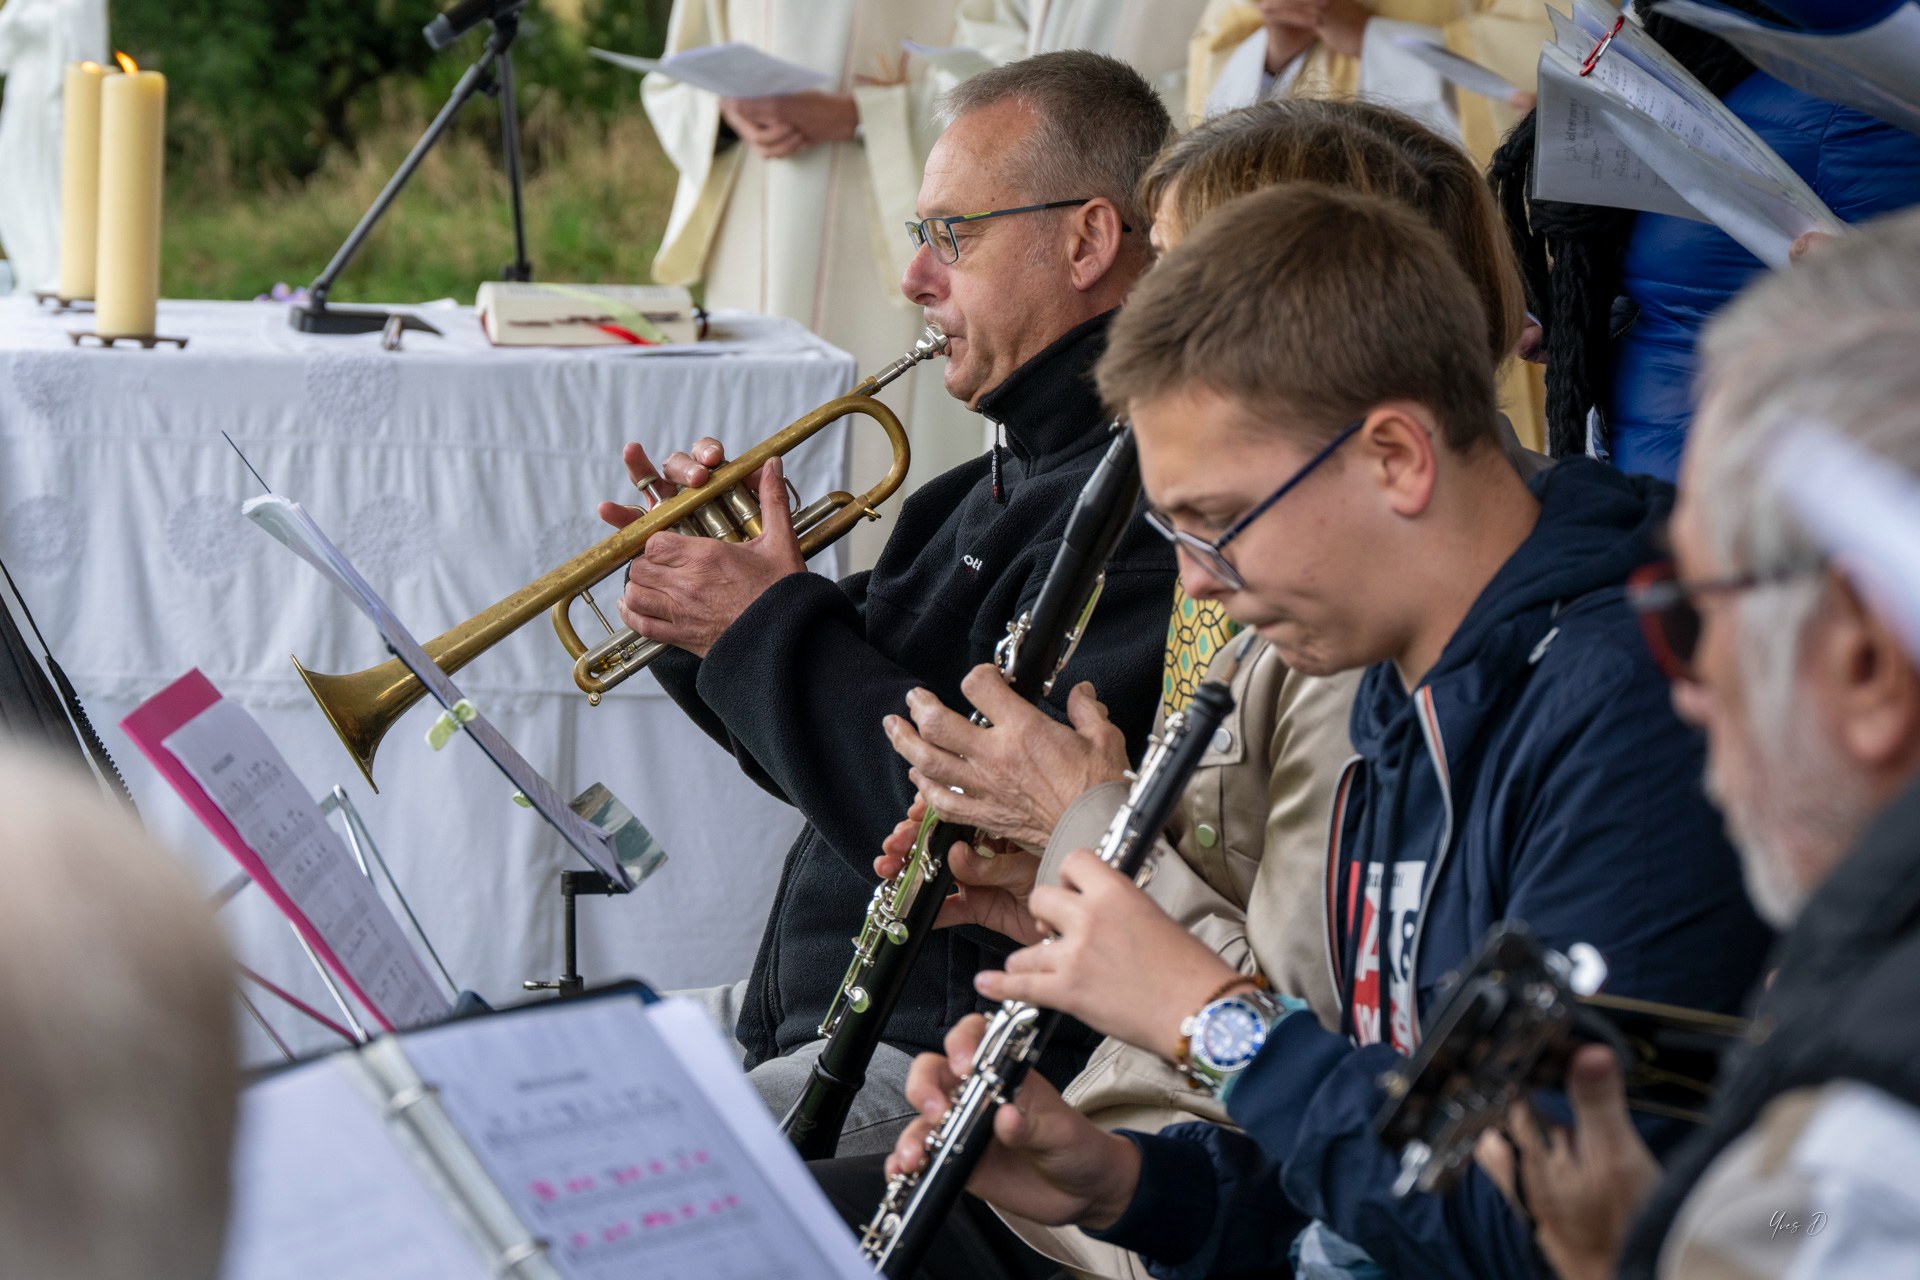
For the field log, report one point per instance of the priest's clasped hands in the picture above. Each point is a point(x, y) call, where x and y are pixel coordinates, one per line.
point(686, 591)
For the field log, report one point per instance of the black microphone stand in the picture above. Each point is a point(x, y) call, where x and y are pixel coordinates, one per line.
point(491, 74)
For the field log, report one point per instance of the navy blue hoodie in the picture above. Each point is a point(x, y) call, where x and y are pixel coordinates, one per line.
point(1538, 773)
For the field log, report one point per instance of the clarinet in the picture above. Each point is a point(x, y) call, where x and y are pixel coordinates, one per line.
point(915, 1204)
point(901, 914)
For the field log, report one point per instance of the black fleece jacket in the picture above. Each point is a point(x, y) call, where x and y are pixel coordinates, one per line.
point(797, 687)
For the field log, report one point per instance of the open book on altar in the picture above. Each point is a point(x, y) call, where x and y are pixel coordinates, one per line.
point(612, 1136)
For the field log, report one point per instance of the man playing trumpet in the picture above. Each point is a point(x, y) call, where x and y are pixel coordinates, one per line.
point(1029, 240)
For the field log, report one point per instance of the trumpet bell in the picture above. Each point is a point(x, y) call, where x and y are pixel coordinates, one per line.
point(359, 706)
point(363, 706)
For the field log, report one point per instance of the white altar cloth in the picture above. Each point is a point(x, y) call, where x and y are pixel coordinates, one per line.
point(452, 473)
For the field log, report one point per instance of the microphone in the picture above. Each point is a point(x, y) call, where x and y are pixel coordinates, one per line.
point(463, 16)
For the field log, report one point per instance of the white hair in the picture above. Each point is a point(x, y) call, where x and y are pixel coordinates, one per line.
point(119, 1076)
point(1834, 340)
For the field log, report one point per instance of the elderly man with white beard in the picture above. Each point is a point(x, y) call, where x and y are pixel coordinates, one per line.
point(1810, 1162)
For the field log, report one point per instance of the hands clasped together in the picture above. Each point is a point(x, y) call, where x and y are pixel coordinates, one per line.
point(686, 591)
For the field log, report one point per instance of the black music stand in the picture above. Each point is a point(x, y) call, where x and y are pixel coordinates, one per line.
point(491, 74)
point(572, 885)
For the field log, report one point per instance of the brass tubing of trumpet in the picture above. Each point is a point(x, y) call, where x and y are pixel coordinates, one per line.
point(362, 706)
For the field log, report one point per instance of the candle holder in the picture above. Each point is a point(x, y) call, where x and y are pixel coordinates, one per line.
point(145, 341)
point(59, 302)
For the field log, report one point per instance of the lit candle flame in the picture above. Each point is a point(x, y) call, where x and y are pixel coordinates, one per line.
point(90, 66)
point(127, 64)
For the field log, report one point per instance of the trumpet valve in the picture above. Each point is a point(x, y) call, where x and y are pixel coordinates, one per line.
point(744, 511)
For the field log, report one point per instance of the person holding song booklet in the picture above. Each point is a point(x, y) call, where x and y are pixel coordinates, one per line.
point(1627, 293)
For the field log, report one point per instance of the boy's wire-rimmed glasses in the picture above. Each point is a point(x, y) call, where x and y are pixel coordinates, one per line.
point(1211, 555)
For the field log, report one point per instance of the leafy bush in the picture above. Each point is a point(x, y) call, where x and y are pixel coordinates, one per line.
point(262, 90)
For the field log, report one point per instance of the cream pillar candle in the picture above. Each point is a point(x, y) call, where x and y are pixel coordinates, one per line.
point(80, 178)
point(133, 121)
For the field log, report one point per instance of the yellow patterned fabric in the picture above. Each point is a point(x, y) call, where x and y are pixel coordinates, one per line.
point(1195, 633)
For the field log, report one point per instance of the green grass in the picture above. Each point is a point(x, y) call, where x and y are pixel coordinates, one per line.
point(597, 194)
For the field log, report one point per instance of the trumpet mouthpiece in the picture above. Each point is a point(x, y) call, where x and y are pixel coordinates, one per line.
point(932, 343)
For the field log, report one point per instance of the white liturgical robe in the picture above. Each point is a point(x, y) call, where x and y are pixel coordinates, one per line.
point(38, 38)
point(1149, 35)
point(820, 236)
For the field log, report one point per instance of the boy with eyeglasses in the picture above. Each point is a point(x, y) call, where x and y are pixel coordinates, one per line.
point(1319, 439)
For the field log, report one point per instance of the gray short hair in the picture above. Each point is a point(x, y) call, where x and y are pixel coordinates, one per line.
point(1832, 340)
point(118, 1084)
point(1100, 125)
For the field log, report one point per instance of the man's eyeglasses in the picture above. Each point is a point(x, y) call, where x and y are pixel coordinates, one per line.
point(1211, 555)
point(938, 232)
point(1670, 619)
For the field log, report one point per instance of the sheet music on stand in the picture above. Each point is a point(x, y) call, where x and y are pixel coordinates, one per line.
point(1875, 69)
point(1638, 131)
point(230, 774)
point(594, 1139)
point(290, 523)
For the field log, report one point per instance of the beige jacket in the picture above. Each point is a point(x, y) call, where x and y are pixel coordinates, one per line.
point(1252, 830)
point(1826, 1183)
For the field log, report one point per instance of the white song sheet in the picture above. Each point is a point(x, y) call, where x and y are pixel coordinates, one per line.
point(244, 774)
point(1864, 510)
point(1465, 72)
point(733, 70)
point(321, 1189)
point(1875, 69)
point(625, 1136)
point(1637, 131)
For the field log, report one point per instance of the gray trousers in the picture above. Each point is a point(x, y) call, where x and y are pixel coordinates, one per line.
point(880, 1111)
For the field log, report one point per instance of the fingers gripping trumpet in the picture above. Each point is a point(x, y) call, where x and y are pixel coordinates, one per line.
point(363, 706)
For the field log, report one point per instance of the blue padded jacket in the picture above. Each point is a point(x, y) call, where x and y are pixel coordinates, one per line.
point(1676, 273)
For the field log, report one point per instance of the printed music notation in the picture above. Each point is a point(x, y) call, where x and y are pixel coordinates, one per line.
point(249, 781)
point(608, 1150)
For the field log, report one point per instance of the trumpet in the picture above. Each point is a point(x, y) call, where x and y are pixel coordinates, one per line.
point(362, 706)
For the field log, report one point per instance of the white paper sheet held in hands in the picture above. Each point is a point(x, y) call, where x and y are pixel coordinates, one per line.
point(290, 523)
point(1875, 69)
point(1640, 132)
point(1864, 510)
point(957, 60)
point(247, 778)
point(733, 70)
point(1465, 72)
point(587, 1140)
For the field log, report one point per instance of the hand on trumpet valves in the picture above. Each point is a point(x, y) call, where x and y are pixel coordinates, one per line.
point(990, 891)
point(1046, 1161)
point(687, 591)
point(1117, 962)
point(1017, 774)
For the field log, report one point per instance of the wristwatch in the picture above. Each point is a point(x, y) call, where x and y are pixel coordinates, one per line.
point(1228, 1033)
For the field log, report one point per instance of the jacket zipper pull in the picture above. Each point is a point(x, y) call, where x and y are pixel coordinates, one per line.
point(999, 439)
